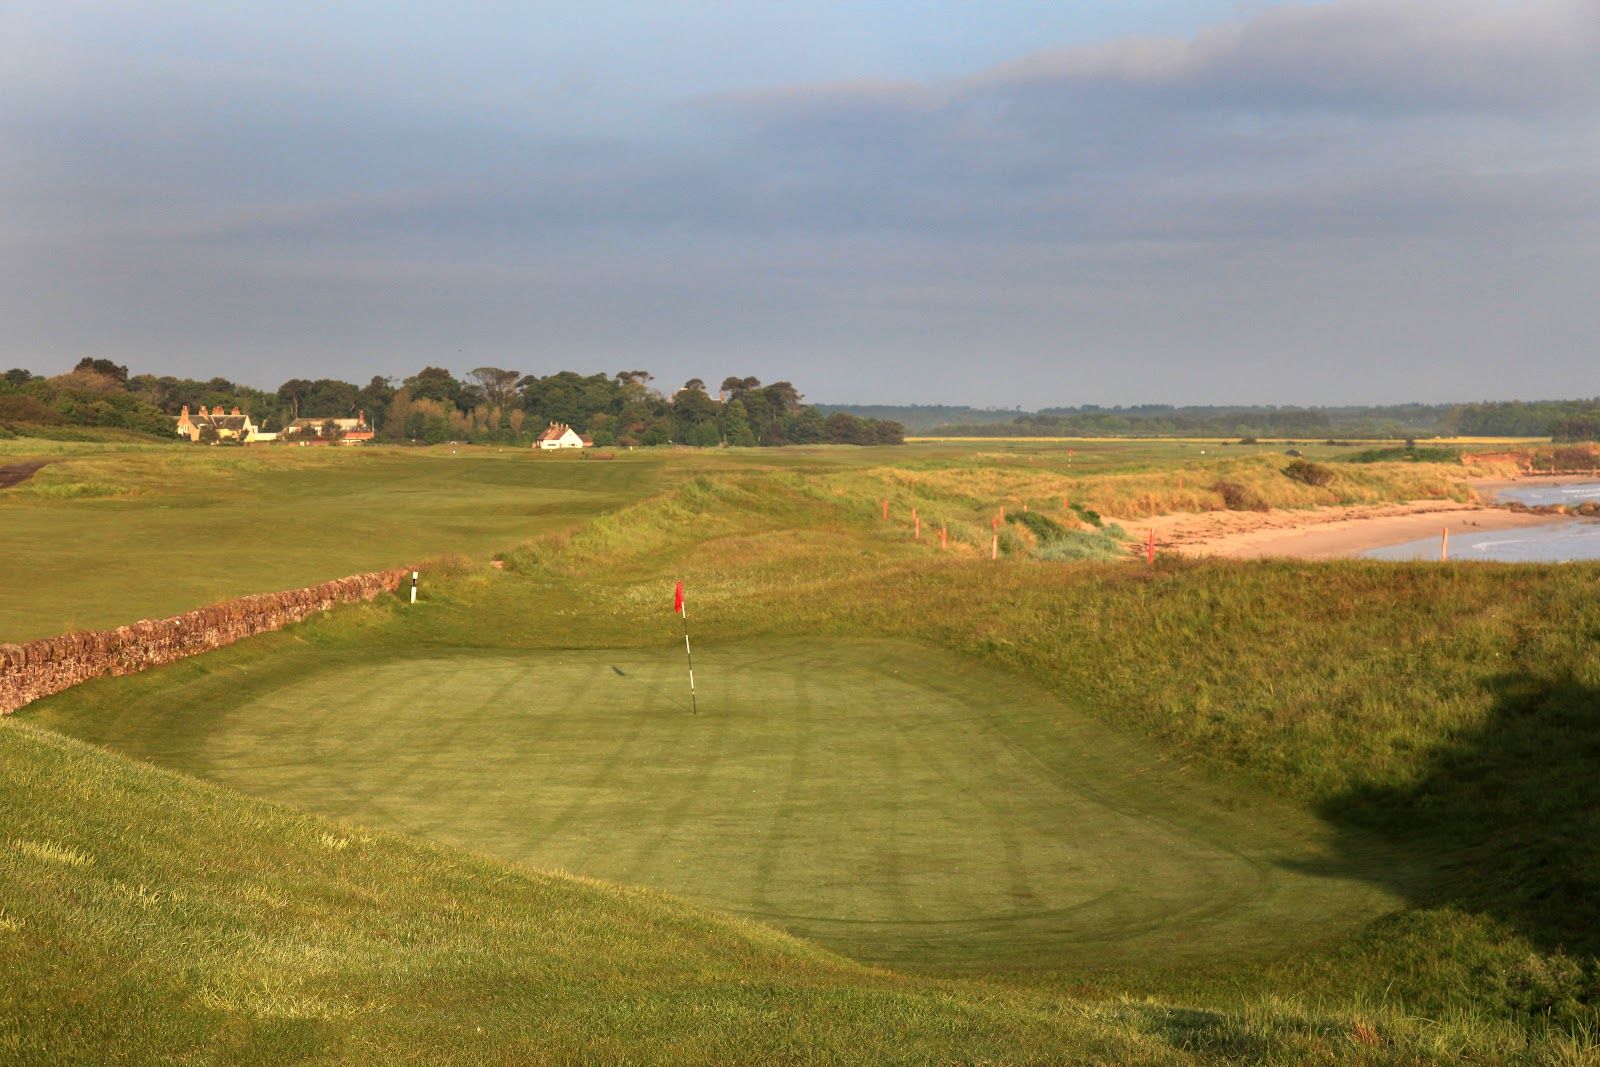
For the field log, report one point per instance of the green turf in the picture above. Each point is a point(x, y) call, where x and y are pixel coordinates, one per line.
point(886, 799)
point(109, 536)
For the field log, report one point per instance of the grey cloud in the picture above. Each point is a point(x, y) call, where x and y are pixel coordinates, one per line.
point(1361, 55)
point(1306, 206)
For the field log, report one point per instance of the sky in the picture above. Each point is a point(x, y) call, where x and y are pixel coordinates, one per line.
point(999, 204)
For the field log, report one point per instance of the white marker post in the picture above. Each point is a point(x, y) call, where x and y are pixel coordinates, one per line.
point(413, 587)
point(683, 610)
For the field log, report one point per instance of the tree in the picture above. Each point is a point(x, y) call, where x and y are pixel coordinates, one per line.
point(292, 392)
point(375, 398)
point(736, 425)
point(329, 398)
point(694, 385)
point(784, 398)
point(434, 383)
point(499, 386)
point(105, 367)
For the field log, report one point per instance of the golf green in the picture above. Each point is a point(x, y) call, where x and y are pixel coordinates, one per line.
point(884, 798)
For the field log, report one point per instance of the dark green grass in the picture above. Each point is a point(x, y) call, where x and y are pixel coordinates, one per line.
point(882, 798)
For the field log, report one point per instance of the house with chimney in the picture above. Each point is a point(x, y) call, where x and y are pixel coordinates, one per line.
point(314, 431)
point(560, 435)
point(223, 425)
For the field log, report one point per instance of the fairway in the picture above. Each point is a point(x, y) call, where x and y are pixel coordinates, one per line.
point(166, 529)
point(885, 798)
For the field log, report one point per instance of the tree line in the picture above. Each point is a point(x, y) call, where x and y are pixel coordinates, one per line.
point(490, 405)
point(1564, 420)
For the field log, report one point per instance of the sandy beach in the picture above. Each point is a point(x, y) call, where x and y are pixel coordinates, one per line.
point(1327, 533)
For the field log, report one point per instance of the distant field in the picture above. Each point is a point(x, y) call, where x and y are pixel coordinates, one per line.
point(110, 533)
point(1223, 439)
point(105, 536)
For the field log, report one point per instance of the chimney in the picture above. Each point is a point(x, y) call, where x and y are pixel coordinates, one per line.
point(185, 413)
point(203, 412)
point(235, 410)
point(361, 417)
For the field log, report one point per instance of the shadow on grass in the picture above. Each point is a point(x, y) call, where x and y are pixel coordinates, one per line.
point(1509, 814)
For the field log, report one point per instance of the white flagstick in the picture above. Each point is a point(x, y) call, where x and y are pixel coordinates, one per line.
point(694, 705)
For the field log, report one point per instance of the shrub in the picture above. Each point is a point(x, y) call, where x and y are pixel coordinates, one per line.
point(1088, 515)
point(1043, 526)
point(1314, 474)
point(1404, 455)
point(20, 408)
point(1570, 458)
point(1236, 497)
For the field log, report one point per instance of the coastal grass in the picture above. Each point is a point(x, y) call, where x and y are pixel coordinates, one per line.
point(1405, 750)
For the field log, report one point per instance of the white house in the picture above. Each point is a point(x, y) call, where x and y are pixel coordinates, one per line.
point(560, 435)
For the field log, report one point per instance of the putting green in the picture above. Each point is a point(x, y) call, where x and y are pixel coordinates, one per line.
point(884, 798)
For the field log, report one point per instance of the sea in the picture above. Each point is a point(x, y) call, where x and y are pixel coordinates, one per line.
point(1557, 541)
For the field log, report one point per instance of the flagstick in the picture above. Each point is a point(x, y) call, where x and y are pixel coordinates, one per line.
point(694, 705)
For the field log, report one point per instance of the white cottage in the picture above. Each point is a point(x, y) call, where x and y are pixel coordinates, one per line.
point(560, 435)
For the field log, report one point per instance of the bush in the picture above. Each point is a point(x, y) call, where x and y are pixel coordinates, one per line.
point(20, 408)
point(1043, 526)
point(1088, 515)
point(1404, 455)
point(1314, 474)
point(1236, 497)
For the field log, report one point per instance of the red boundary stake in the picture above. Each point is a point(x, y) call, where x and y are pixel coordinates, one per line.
point(944, 538)
point(916, 523)
point(1150, 548)
point(1444, 544)
point(885, 510)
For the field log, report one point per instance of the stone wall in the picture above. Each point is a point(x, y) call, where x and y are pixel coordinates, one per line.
point(36, 669)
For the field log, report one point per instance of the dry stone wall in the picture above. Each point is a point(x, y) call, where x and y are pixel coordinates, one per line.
point(36, 669)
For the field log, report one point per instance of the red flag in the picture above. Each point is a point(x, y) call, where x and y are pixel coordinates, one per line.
point(677, 599)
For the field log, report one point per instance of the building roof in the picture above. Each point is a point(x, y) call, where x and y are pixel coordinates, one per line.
point(555, 431)
point(315, 423)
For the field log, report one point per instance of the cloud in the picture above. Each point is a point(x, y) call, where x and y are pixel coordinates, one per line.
point(1372, 56)
point(1357, 181)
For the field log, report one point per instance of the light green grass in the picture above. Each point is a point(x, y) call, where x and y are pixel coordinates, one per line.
point(883, 798)
point(106, 537)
